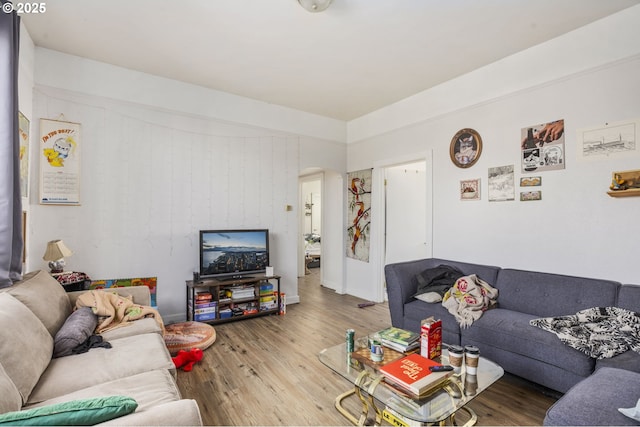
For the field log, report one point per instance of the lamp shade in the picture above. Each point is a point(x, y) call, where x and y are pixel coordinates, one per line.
point(56, 249)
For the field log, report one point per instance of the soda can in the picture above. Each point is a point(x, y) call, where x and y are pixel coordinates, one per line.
point(375, 347)
point(350, 335)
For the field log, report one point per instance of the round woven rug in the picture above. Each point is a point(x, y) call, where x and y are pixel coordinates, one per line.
point(188, 335)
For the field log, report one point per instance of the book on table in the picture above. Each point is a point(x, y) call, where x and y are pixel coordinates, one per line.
point(411, 373)
point(400, 347)
point(399, 336)
point(400, 339)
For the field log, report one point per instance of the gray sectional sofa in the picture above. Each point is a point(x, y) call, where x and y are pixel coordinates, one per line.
point(504, 334)
point(138, 364)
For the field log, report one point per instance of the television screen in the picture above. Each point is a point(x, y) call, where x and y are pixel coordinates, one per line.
point(233, 252)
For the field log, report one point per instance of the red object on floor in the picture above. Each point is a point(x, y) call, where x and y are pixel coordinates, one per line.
point(186, 359)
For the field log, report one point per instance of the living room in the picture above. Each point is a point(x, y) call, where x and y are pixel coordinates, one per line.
point(162, 159)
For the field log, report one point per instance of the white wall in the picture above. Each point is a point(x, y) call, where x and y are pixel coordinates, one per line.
point(576, 228)
point(153, 176)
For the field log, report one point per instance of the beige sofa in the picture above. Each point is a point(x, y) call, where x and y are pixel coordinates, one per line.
point(137, 365)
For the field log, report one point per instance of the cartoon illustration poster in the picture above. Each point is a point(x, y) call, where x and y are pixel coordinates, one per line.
point(358, 214)
point(59, 153)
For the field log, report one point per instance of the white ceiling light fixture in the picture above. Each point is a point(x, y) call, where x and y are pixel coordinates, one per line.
point(315, 5)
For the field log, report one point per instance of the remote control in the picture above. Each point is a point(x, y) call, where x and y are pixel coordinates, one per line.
point(441, 368)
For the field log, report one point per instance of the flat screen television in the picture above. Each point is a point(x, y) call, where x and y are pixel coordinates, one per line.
point(233, 253)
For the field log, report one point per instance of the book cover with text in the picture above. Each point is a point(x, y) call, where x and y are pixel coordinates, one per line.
point(412, 373)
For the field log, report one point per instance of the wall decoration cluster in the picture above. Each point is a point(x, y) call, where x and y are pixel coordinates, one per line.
point(358, 214)
point(59, 162)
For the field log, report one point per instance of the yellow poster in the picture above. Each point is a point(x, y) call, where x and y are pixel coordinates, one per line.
point(59, 154)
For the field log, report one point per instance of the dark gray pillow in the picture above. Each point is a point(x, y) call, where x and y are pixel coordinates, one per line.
point(78, 327)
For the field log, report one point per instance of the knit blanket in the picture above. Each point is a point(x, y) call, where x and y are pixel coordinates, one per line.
point(468, 298)
point(600, 332)
point(115, 311)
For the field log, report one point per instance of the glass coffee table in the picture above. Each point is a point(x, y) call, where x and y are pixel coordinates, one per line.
point(396, 406)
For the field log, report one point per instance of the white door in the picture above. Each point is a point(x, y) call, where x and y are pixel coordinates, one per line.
point(406, 231)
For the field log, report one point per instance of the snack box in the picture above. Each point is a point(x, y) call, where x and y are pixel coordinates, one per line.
point(431, 338)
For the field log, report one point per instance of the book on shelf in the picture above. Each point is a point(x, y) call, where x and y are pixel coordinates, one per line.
point(399, 336)
point(412, 373)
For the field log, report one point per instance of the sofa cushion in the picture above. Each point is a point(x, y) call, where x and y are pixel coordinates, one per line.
point(629, 297)
point(149, 389)
point(140, 326)
point(83, 412)
point(10, 399)
point(45, 297)
point(629, 360)
point(547, 295)
point(595, 400)
point(76, 330)
point(510, 331)
point(128, 356)
point(26, 346)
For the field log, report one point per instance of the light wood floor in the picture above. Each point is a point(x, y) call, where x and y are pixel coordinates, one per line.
point(265, 371)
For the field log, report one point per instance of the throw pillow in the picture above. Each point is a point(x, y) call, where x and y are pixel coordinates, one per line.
point(81, 412)
point(429, 297)
point(76, 329)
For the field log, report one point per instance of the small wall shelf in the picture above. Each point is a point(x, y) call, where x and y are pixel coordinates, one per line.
point(631, 178)
point(625, 193)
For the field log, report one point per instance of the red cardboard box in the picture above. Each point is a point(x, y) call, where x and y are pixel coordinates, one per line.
point(431, 338)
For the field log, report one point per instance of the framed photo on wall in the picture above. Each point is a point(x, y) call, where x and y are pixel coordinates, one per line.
point(465, 148)
point(470, 189)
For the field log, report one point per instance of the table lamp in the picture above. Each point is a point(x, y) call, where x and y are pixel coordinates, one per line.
point(55, 253)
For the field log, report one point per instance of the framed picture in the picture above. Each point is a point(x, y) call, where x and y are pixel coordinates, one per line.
point(465, 148)
point(501, 183)
point(23, 129)
point(527, 196)
point(470, 189)
point(531, 181)
point(608, 141)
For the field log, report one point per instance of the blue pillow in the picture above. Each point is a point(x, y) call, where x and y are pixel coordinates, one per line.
point(81, 412)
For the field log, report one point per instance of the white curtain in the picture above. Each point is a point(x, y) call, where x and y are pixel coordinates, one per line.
point(11, 243)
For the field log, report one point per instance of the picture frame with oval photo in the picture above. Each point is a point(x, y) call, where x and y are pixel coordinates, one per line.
point(465, 148)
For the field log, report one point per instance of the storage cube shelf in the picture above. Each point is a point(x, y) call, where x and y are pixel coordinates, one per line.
point(226, 300)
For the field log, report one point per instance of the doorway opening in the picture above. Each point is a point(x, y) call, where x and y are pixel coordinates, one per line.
point(311, 189)
point(406, 210)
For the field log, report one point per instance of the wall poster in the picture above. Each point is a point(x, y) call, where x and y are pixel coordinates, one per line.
point(23, 130)
point(59, 153)
point(358, 214)
point(611, 139)
point(543, 147)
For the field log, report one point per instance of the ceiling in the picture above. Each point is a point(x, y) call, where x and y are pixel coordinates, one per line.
point(354, 58)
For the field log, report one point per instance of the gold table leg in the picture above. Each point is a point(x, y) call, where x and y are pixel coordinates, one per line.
point(366, 401)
